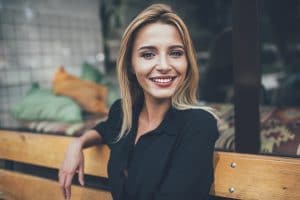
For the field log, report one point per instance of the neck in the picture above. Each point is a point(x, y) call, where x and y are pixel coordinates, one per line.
point(154, 110)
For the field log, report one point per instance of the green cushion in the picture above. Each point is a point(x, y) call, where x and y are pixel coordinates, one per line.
point(90, 73)
point(42, 104)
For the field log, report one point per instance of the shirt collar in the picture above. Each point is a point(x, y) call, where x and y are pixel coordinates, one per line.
point(169, 125)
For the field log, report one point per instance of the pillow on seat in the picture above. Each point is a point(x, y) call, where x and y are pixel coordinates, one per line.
point(90, 96)
point(89, 73)
point(42, 104)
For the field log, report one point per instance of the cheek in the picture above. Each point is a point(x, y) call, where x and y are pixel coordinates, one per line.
point(181, 67)
point(142, 67)
point(184, 69)
point(133, 64)
point(141, 76)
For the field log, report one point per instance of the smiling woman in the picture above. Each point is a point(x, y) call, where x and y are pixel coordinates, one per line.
point(158, 124)
point(158, 60)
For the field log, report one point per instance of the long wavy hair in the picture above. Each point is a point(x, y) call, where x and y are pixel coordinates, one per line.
point(185, 96)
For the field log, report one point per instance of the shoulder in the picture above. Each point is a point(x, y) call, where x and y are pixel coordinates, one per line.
point(115, 111)
point(199, 122)
point(197, 125)
point(116, 107)
point(198, 115)
point(116, 104)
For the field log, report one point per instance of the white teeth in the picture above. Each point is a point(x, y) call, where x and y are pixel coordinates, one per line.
point(162, 80)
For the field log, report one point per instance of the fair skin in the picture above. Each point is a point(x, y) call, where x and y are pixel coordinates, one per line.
point(160, 64)
point(74, 161)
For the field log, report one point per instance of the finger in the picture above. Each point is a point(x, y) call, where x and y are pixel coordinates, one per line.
point(68, 192)
point(61, 180)
point(68, 183)
point(81, 174)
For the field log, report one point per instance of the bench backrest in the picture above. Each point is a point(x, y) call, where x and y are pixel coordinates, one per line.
point(237, 176)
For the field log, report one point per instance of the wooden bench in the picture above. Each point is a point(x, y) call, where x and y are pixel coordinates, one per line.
point(237, 176)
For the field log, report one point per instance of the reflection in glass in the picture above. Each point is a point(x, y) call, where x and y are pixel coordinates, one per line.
point(280, 60)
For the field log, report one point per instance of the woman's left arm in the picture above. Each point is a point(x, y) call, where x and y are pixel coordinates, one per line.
point(191, 170)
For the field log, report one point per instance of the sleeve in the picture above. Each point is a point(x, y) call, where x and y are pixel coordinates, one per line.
point(110, 128)
point(190, 174)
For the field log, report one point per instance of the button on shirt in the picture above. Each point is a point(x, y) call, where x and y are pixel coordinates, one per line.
point(172, 162)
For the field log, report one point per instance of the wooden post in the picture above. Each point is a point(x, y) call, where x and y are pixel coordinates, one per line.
point(246, 60)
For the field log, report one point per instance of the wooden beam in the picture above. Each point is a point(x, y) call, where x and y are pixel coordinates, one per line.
point(15, 186)
point(251, 177)
point(48, 151)
point(247, 84)
point(245, 176)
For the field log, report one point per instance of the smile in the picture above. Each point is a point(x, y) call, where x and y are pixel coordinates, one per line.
point(163, 81)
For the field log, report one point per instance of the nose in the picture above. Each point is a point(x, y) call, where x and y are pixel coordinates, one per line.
point(163, 65)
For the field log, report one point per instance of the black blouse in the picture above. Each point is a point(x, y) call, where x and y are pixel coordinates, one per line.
point(172, 162)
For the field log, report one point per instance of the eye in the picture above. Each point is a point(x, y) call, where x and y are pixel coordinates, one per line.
point(176, 53)
point(147, 55)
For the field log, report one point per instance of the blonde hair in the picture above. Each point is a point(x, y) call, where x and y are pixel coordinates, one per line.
point(185, 96)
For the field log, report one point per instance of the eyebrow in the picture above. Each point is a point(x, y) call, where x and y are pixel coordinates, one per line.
point(153, 47)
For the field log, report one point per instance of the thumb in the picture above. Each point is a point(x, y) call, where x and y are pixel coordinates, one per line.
point(81, 174)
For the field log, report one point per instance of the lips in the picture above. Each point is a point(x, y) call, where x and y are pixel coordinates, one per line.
point(163, 81)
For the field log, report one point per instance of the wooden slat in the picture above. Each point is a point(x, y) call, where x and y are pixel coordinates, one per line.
point(256, 177)
point(17, 186)
point(48, 151)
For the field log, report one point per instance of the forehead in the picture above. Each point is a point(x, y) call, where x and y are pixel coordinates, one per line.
point(157, 34)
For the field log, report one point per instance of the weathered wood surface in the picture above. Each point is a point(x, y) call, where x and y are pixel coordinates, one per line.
point(256, 176)
point(48, 151)
point(17, 186)
point(239, 176)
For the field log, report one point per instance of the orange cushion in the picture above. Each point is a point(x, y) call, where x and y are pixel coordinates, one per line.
point(90, 96)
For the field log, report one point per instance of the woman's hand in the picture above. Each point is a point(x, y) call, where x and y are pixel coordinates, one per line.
point(73, 162)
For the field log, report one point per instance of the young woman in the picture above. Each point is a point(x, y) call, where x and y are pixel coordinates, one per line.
point(161, 140)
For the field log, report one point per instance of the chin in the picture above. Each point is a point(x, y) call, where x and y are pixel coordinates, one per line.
point(162, 95)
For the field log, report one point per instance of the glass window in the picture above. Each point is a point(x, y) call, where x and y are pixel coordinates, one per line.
point(280, 61)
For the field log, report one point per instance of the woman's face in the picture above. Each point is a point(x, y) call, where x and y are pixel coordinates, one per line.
point(159, 60)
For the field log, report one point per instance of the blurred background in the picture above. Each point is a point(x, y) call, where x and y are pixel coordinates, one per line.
point(43, 42)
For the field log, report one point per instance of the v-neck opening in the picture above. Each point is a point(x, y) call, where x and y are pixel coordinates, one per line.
point(135, 127)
